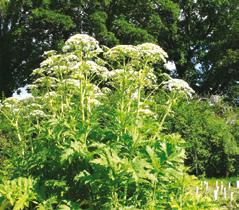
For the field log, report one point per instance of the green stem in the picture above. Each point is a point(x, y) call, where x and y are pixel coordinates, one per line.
point(82, 103)
point(165, 115)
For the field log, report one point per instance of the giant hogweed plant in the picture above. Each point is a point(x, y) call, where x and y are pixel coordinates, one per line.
point(91, 137)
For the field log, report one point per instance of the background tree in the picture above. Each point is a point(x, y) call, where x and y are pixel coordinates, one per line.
point(27, 28)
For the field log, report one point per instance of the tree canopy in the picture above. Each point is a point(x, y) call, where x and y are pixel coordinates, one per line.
point(199, 36)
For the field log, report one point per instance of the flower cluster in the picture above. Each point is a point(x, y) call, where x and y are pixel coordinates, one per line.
point(152, 52)
point(38, 113)
point(94, 69)
point(122, 51)
point(178, 85)
point(82, 42)
point(143, 52)
point(10, 103)
point(49, 61)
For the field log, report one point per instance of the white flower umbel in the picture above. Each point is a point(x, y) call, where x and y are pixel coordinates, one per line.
point(94, 69)
point(72, 82)
point(10, 103)
point(237, 184)
point(122, 51)
point(49, 53)
point(147, 52)
point(70, 57)
point(82, 42)
point(50, 94)
point(151, 79)
point(152, 51)
point(49, 61)
point(46, 81)
point(179, 85)
point(38, 113)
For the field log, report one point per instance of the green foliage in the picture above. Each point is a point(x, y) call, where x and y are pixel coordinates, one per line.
point(209, 132)
point(52, 18)
point(91, 136)
point(18, 193)
point(129, 33)
point(99, 20)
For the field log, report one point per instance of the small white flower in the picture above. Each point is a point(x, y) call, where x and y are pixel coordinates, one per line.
point(32, 87)
point(215, 99)
point(76, 66)
point(151, 79)
point(15, 110)
point(97, 91)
